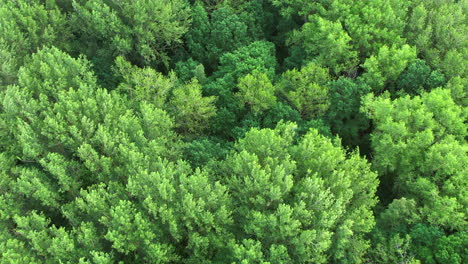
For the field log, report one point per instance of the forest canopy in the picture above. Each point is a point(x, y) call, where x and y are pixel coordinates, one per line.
point(211, 131)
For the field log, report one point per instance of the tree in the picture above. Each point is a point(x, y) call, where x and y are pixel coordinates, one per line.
point(438, 30)
point(400, 236)
point(259, 55)
point(145, 84)
point(344, 114)
point(280, 111)
point(369, 24)
point(212, 131)
point(112, 151)
point(306, 89)
point(257, 91)
point(186, 70)
point(202, 151)
point(326, 43)
point(459, 90)
point(373, 24)
point(198, 32)
point(387, 66)
point(183, 100)
point(26, 27)
point(295, 202)
point(212, 36)
point(191, 110)
point(410, 139)
point(142, 31)
point(419, 77)
point(419, 143)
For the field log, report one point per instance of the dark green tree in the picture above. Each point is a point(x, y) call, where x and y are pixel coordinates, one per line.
point(344, 114)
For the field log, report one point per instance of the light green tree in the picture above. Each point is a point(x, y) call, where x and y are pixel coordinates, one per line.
point(191, 110)
point(306, 89)
point(89, 171)
point(438, 29)
point(421, 143)
point(386, 66)
point(257, 91)
point(305, 202)
point(326, 43)
point(26, 27)
point(145, 84)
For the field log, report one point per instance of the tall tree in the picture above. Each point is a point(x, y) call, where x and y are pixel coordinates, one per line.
point(257, 91)
point(327, 44)
point(191, 110)
point(344, 114)
point(420, 149)
point(387, 66)
point(304, 202)
point(305, 89)
point(26, 27)
point(214, 34)
point(141, 31)
point(438, 29)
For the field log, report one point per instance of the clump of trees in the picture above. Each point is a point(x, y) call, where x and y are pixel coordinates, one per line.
point(264, 131)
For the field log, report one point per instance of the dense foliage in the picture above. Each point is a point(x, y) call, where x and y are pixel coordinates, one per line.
point(210, 131)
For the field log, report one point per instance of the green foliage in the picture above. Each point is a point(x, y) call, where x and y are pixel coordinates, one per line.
point(143, 27)
point(326, 43)
point(145, 84)
point(419, 77)
point(200, 29)
point(424, 242)
point(280, 111)
point(184, 101)
point(260, 18)
point(452, 249)
point(413, 79)
point(142, 31)
point(394, 250)
point(259, 55)
point(420, 141)
point(343, 113)
point(210, 131)
point(438, 30)
point(306, 89)
point(387, 66)
point(26, 27)
point(228, 32)
point(256, 91)
point(294, 202)
point(411, 139)
point(186, 70)
point(369, 25)
point(459, 90)
point(373, 24)
point(199, 152)
point(76, 129)
point(191, 110)
point(212, 35)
